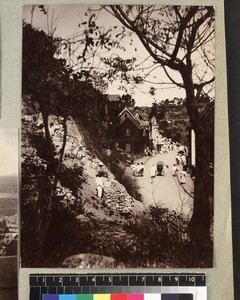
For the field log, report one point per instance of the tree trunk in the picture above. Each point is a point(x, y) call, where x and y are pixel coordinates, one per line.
point(58, 165)
point(51, 176)
point(44, 187)
point(200, 221)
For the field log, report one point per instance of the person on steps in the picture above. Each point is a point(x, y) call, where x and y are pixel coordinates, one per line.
point(99, 185)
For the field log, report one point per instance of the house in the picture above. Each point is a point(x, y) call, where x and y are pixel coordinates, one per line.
point(138, 115)
point(132, 133)
point(113, 106)
point(129, 127)
point(114, 100)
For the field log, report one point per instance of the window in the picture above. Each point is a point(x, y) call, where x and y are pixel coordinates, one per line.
point(128, 147)
point(128, 132)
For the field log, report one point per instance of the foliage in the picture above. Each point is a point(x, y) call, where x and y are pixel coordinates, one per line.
point(171, 34)
point(40, 65)
point(66, 205)
point(126, 179)
point(181, 39)
point(48, 82)
point(126, 100)
point(51, 192)
point(156, 238)
point(72, 178)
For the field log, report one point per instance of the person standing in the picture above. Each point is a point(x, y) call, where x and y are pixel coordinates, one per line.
point(138, 167)
point(178, 159)
point(133, 168)
point(183, 160)
point(153, 172)
point(102, 170)
point(99, 185)
point(174, 170)
point(141, 169)
point(183, 175)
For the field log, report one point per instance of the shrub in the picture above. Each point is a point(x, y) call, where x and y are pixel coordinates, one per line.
point(158, 237)
point(72, 178)
point(126, 180)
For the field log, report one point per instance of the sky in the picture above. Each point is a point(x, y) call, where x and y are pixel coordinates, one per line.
point(9, 152)
point(66, 19)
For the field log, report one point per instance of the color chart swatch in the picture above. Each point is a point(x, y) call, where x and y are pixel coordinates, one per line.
point(120, 297)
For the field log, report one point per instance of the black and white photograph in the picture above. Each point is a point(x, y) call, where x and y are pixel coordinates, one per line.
point(117, 156)
point(8, 213)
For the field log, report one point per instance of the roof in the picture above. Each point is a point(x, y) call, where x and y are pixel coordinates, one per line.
point(131, 117)
point(145, 123)
point(126, 110)
point(139, 124)
point(143, 111)
point(137, 111)
point(134, 121)
point(113, 97)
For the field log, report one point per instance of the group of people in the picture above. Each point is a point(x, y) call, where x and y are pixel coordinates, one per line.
point(182, 174)
point(138, 169)
point(181, 159)
point(163, 146)
point(158, 169)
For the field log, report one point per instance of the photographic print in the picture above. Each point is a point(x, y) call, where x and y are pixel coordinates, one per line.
point(8, 213)
point(117, 136)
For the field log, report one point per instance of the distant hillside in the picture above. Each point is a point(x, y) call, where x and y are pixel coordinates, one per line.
point(8, 206)
point(8, 184)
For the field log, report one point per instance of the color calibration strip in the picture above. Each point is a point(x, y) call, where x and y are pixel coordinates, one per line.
point(120, 297)
point(152, 286)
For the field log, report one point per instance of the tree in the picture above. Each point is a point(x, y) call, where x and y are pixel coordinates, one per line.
point(153, 111)
point(126, 100)
point(181, 39)
point(50, 87)
point(46, 79)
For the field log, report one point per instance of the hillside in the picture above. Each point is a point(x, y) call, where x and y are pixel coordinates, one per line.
point(8, 206)
point(97, 224)
point(8, 185)
point(81, 230)
point(64, 223)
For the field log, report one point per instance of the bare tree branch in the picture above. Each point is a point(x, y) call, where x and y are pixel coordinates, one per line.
point(172, 80)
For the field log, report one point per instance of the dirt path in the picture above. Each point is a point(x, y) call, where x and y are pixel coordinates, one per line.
point(165, 190)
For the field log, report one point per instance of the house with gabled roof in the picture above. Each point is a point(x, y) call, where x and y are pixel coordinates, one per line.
point(138, 115)
point(132, 134)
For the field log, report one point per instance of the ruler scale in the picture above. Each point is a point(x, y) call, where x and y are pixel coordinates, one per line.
point(156, 286)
